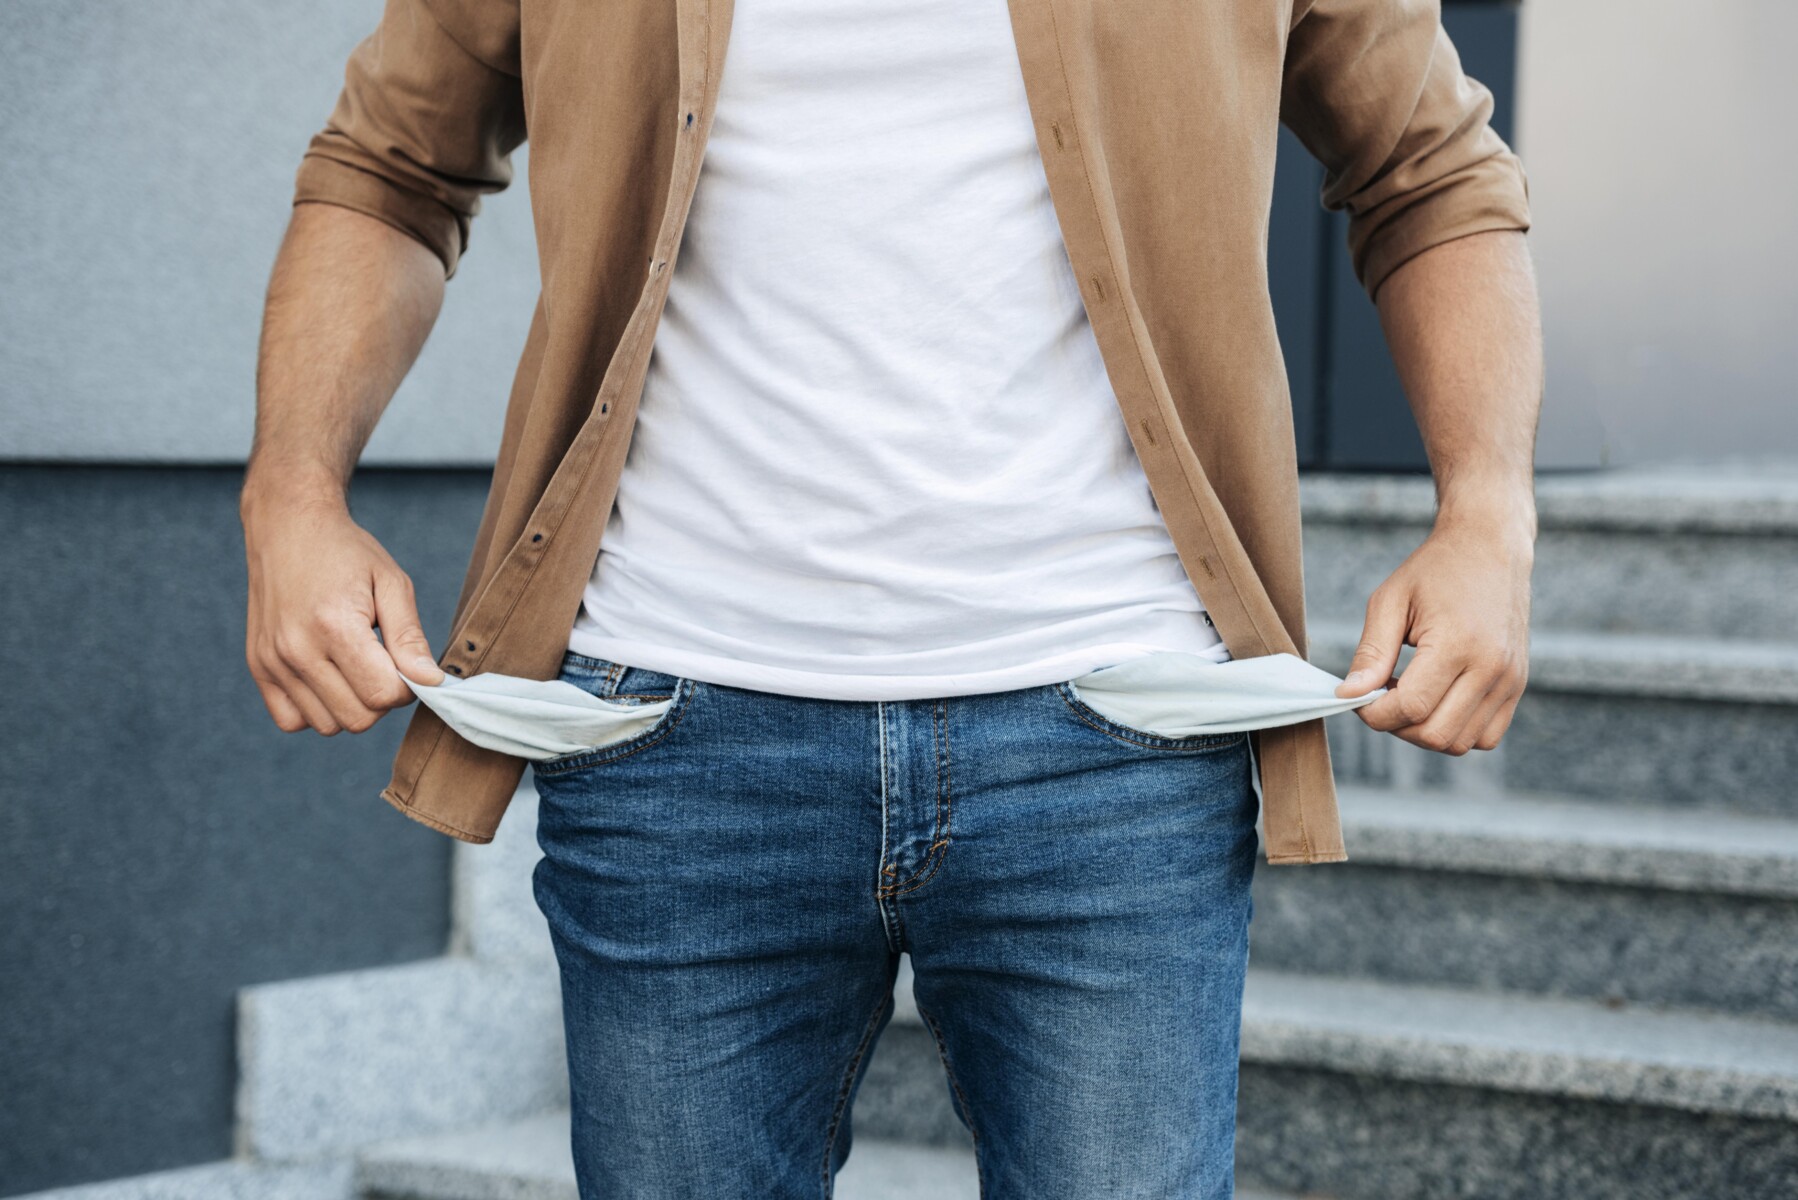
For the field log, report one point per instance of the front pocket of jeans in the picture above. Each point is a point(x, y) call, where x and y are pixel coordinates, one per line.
point(1090, 716)
point(676, 705)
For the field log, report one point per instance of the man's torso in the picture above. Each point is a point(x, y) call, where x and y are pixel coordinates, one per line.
point(877, 455)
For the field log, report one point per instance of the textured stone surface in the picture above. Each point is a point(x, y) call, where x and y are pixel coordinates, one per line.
point(1620, 664)
point(1739, 758)
point(1557, 837)
point(1359, 1137)
point(530, 1160)
point(1628, 665)
point(1707, 725)
point(1524, 934)
point(1691, 1061)
point(496, 918)
point(341, 1060)
point(1729, 585)
point(1741, 497)
point(227, 1180)
point(1704, 552)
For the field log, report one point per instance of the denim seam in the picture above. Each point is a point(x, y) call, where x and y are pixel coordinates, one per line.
point(939, 836)
point(890, 920)
point(836, 1116)
point(967, 1109)
point(1123, 733)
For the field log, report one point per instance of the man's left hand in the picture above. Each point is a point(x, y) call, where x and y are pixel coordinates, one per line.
point(1463, 599)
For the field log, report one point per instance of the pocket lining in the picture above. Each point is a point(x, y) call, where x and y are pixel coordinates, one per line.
point(684, 689)
point(1133, 736)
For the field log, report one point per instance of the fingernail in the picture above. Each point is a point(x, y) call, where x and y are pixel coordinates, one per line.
point(1357, 678)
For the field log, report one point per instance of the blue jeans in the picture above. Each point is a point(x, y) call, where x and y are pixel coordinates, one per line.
point(729, 892)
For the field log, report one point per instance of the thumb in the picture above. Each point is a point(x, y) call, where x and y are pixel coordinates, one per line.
point(396, 612)
point(1377, 654)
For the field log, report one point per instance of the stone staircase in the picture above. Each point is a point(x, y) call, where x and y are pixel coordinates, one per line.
point(1566, 969)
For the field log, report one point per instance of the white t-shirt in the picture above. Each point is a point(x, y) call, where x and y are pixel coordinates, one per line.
point(878, 456)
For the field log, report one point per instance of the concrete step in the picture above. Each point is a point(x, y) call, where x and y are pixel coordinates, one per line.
point(529, 1160)
point(333, 1062)
point(1663, 1058)
point(1548, 895)
point(1370, 1091)
point(1373, 1091)
point(230, 1179)
point(1688, 551)
point(1648, 720)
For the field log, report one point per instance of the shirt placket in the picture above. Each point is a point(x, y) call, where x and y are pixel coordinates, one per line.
point(622, 385)
point(1177, 481)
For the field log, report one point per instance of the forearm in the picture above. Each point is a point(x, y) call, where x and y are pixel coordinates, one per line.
point(1464, 326)
point(350, 303)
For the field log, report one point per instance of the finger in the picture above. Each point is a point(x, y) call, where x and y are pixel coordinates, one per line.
point(363, 662)
point(1449, 729)
point(1419, 690)
point(403, 635)
point(287, 714)
point(1498, 724)
point(316, 713)
point(1473, 733)
point(314, 666)
point(1382, 639)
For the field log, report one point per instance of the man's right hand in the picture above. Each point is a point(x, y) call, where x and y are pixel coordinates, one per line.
point(320, 587)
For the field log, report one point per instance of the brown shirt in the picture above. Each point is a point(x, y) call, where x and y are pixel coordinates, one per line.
point(1157, 123)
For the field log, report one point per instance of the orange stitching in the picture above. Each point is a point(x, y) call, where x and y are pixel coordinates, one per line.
point(944, 812)
point(836, 1117)
point(942, 1052)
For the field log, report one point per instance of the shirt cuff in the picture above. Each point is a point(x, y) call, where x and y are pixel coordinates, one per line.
point(325, 180)
point(1489, 195)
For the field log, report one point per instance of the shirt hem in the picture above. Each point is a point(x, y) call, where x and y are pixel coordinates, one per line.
point(462, 835)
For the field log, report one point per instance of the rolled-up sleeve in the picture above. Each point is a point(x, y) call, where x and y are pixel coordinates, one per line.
point(1375, 90)
point(431, 110)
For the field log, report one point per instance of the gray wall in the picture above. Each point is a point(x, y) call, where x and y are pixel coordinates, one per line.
point(161, 842)
point(1663, 157)
point(150, 153)
point(151, 150)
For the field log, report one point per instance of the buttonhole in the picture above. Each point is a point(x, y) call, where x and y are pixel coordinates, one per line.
point(470, 645)
point(536, 537)
point(689, 120)
point(454, 670)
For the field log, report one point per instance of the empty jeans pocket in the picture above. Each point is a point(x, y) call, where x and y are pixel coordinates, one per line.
point(552, 722)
